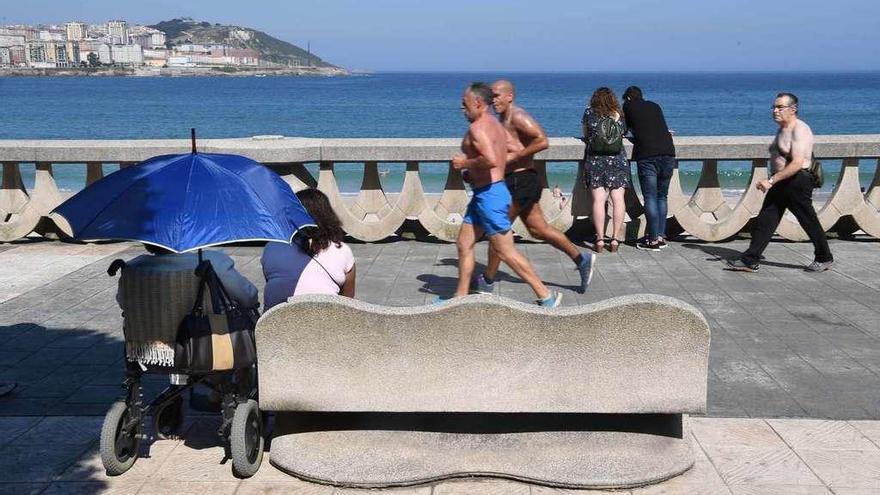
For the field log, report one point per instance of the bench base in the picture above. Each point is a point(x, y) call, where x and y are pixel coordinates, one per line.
point(567, 459)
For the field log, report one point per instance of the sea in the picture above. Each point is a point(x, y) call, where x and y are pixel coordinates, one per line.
point(419, 105)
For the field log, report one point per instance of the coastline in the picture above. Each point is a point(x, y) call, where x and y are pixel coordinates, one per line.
point(230, 71)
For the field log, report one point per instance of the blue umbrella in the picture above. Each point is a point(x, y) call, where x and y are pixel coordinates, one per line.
point(186, 202)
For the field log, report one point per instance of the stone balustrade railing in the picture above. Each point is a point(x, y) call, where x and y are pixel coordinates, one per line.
point(373, 215)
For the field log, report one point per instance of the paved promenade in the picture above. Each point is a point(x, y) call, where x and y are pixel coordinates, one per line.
point(785, 344)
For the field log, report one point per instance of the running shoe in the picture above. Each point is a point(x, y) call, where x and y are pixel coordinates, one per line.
point(479, 285)
point(819, 266)
point(585, 268)
point(552, 301)
point(738, 265)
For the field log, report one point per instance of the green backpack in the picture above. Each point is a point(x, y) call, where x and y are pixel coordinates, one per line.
point(607, 138)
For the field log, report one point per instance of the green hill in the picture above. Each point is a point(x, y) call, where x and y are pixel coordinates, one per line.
point(185, 30)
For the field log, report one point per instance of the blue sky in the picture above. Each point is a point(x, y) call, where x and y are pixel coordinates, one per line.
point(518, 35)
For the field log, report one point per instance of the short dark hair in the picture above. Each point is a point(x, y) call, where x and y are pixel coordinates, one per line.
point(632, 93)
point(482, 91)
point(792, 99)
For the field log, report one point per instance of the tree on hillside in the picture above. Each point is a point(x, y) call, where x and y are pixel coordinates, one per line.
point(93, 60)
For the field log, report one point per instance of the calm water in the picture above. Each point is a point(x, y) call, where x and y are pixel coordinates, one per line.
point(416, 105)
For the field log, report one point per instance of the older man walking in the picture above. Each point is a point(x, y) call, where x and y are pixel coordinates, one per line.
point(790, 186)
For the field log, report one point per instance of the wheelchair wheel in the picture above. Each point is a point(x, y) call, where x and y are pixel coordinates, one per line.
point(168, 418)
point(246, 439)
point(120, 440)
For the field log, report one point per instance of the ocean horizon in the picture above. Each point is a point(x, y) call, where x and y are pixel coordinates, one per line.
point(423, 105)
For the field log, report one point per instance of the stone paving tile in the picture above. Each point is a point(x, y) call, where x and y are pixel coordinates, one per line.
point(779, 490)
point(735, 432)
point(89, 467)
point(760, 466)
point(819, 434)
point(189, 488)
point(111, 487)
point(11, 428)
point(22, 488)
point(871, 430)
point(845, 468)
point(409, 490)
point(292, 487)
point(36, 462)
point(545, 490)
point(481, 487)
point(701, 479)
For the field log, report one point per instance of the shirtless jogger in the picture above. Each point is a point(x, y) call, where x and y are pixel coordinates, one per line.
point(525, 137)
point(485, 150)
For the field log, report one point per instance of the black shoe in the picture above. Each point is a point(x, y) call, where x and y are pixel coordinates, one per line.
point(738, 265)
point(645, 245)
point(661, 243)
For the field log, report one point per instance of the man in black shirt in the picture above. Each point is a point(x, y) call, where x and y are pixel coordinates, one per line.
point(654, 154)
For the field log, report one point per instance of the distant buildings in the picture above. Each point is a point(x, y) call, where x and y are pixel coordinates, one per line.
point(116, 43)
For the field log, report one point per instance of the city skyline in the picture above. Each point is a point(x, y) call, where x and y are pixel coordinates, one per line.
point(394, 35)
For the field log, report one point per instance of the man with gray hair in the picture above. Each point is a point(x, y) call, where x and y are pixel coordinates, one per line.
point(790, 186)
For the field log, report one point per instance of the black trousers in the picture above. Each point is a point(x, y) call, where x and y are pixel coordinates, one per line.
point(795, 194)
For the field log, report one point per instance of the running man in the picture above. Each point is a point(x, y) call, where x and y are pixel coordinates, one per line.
point(485, 148)
point(525, 137)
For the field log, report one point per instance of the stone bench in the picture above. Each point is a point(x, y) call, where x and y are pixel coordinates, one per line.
point(579, 397)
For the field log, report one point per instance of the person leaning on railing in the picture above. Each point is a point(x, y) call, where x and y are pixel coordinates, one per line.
point(316, 262)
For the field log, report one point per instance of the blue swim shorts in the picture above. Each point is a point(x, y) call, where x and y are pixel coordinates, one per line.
point(488, 208)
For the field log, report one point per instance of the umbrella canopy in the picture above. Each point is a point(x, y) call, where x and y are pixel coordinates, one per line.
point(186, 202)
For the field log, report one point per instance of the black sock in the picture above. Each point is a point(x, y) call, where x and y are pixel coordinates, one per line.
point(488, 279)
point(579, 259)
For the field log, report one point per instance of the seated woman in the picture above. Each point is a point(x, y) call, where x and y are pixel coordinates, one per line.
point(317, 262)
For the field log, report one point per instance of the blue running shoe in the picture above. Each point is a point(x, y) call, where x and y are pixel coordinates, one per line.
point(479, 285)
point(586, 270)
point(552, 301)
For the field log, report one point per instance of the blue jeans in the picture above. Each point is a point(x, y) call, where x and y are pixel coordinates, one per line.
point(655, 172)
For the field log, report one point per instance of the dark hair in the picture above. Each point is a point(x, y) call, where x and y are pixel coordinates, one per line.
point(604, 103)
point(632, 93)
point(329, 227)
point(792, 99)
point(482, 91)
point(158, 250)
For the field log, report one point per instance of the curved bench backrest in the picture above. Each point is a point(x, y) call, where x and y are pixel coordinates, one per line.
point(632, 354)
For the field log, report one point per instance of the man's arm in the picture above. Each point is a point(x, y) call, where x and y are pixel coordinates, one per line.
point(526, 125)
point(485, 152)
point(237, 285)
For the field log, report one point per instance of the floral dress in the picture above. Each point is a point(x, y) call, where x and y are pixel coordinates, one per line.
point(608, 171)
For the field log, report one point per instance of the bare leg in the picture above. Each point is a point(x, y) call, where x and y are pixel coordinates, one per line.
point(618, 211)
point(494, 261)
point(467, 238)
point(540, 229)
point(600, 195)
point(503, 245)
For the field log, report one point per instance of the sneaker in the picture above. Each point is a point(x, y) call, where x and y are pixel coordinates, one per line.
point(738, 265)
point(645, 245)
point(552, 301)
point(586, 270)
point(819, 266)
point(479, 285)
point(661, 243)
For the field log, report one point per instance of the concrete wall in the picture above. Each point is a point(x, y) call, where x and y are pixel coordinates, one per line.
point(375, 215)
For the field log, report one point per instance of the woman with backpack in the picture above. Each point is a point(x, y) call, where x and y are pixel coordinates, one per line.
point(606, 169)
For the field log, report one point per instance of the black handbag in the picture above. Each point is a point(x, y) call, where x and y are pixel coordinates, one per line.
point(216, 335)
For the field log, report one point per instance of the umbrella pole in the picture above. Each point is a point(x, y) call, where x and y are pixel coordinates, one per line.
point(200, 256)
point(192, 134)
